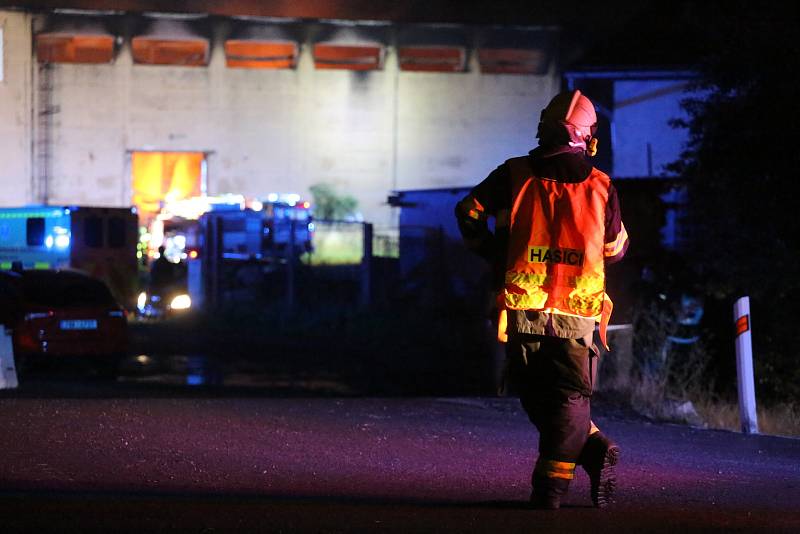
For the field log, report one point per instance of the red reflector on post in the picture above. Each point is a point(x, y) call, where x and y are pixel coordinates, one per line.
point(742, 324)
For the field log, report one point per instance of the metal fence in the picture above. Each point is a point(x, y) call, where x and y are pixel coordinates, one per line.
point(351, 264)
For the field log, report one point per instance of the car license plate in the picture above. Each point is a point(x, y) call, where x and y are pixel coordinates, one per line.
point(79, 324)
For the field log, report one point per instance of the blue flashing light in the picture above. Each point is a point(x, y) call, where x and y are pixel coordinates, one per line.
point(195, 380)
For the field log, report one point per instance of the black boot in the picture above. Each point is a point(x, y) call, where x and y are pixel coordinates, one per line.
point(550, 481)
point(599, 458)
point(547, 492)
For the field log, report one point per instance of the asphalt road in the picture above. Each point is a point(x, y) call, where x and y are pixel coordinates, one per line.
point(208, 462)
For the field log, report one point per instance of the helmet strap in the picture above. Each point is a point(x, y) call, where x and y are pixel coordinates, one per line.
point(591, 148)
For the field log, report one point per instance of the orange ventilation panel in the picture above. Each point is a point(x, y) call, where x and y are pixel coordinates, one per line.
point(347, 57)
point(432, 58)
point(260, 55)
point(262, 46)
point(170, 42)
point(64, 48)
point(517, 52)
point(432, 49)
point(510, 61)
point(151, 51)
point(350, 48)
point(68, 39)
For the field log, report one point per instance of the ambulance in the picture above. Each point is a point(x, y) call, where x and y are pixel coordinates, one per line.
point(100, 241)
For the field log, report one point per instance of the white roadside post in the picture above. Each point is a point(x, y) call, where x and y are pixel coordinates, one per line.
point(744, 367)
point(8, 372)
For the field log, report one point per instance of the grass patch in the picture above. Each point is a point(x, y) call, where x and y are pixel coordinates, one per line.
point(337, 244)
point(777, 420)
point(676, 383)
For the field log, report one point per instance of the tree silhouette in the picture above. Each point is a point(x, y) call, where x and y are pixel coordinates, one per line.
point(742, 168)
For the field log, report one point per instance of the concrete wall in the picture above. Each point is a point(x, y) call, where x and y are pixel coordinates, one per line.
point(455, 129)
point(15, 109)
point(279, 130)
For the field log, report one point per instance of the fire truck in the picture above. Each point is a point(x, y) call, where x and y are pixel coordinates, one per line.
point(280, 215)
point(252, 228)
point(98, 240)
point(211, 234)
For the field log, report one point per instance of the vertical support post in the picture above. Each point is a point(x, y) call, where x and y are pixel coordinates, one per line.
point(744, 367)
point(205, 258)
point(219, 261)
point(366, 267)
point(8, 371)
point(194, 283)
point(212, 258)
point(290, 259)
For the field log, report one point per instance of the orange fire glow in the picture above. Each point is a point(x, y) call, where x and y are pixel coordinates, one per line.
point(159, 176)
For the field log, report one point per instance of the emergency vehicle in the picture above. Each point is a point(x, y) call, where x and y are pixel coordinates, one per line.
point(259, 228)
point(280, 214)
point(97, 240)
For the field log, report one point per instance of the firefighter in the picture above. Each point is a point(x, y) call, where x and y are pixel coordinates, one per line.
point(162, 274)
point(557, 224)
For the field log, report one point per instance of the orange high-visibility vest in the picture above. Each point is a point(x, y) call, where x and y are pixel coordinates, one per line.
point(555, 255)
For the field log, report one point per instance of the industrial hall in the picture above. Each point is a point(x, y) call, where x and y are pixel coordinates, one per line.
point(131, 106)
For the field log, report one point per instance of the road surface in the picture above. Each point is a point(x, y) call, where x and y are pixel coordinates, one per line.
point(208, 462)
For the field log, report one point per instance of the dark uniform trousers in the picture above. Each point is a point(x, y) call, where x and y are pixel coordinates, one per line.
point(553, 378)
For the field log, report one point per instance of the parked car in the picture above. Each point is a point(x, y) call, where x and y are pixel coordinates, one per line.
point(62, 314)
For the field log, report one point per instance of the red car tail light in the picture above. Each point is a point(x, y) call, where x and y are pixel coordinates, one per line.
point(26, 341)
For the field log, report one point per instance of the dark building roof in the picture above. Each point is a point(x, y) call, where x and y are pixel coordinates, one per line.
point(614, 33)
point(503, 12)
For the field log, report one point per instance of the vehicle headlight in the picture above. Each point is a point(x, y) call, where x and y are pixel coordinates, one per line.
point(181, 302)
point(142, 300)
point(62, 241)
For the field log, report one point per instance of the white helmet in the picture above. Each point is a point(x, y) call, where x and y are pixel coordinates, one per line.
point(570, 119)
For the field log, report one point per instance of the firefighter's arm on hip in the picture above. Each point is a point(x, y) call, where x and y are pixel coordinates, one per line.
point(473, 222)
point(475, 209)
